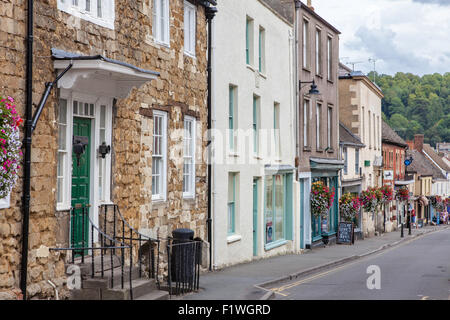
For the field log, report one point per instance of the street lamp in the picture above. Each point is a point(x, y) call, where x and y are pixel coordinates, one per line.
point(313, 90)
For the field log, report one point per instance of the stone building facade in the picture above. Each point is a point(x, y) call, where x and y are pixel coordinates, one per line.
point(360, 111)
point(318, 156)
point(127, 71)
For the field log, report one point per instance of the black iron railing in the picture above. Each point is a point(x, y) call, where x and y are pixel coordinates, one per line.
point(146, 247)
point(80, 248)
point(184, 261)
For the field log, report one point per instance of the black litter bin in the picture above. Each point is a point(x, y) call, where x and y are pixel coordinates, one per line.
point(183, 256)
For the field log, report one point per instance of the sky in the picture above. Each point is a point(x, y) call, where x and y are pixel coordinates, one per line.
point(400, 35)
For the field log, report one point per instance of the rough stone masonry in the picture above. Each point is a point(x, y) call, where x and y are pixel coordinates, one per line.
point(180, 90)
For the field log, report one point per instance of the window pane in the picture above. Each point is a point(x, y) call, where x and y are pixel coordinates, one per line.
point(99, 8)
point(279, 207)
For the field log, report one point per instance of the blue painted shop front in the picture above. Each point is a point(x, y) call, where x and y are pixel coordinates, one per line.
point(327, 171)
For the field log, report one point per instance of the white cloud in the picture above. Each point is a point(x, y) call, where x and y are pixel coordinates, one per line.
point(403, 35)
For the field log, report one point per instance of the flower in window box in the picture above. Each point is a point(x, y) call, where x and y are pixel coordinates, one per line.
point(9, 145)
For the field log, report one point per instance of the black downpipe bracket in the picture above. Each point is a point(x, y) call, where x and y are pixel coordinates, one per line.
point(30, 125)
point(210, 13)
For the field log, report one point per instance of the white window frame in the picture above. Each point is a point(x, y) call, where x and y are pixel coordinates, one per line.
point(190, 30)
point(161, 196)
point(305, 43)
point(159, 19)
point(330, 57)
point(329, 126)
point(95, 200)
point(103, 14)
point(190, 193)
point(5, 202)
point(318, 125)
point(318, 51)
point(306, 111)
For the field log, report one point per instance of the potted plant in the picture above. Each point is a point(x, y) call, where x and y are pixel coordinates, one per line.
point(10, 145)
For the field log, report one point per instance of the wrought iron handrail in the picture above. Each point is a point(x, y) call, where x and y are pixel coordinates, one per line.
point(103, 247)
point(135, 235)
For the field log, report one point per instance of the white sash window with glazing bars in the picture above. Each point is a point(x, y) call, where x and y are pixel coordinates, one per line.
point(160, 22)
point(189, 157)
point(101, 12)
point(159, 157)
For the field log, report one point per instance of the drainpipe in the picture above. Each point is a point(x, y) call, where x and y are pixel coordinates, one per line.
point(27, 157)
point(210, 13)
point(296, 82)
point(30, 125)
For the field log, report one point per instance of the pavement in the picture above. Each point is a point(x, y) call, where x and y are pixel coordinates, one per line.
point(252, 281)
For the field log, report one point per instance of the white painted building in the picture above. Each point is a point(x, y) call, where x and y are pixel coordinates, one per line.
point(253, 128)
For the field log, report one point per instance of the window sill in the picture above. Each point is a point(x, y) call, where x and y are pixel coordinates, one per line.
point(331, 150)
point(263, 75)
point(158, 200)
point(233, 238)
point(233, 154)
point(319, 75)
point(63, 208)
point(306, 69)
point(273, 245)
point(307, 149)
point(319, 150)
point(190, 55)
point(189, 197)
point(160, 44)
point(257, 157)
point(330, 81)
point(250, 67)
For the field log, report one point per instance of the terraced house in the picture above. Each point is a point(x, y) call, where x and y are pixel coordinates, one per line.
point(120, 131)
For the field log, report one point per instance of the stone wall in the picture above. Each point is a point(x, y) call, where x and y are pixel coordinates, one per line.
point(181, 88)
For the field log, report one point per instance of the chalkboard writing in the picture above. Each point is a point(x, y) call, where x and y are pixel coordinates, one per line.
point(345, 233)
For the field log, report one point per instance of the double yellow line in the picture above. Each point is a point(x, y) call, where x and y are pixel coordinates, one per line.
point(279, 290)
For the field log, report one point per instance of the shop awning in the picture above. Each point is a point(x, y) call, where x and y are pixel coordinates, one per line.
point(326, 164)
point(99, 75)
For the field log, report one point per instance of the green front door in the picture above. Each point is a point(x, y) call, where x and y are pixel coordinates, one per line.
point(80, 183)
point(255, 217)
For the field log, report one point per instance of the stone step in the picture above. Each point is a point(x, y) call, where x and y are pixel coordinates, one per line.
point(155, 295)
point(105, 282)
point(141, 287)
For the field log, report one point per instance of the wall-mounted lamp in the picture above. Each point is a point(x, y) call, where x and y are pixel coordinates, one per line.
point(103, 149)
point(313, 89)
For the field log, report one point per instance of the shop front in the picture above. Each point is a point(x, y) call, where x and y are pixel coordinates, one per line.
point(324, 230)
point(278, 209)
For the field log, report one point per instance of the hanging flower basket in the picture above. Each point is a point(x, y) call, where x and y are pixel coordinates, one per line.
point(438, 203)
point(387, 194)
point(321, 199)
point(9, 145)
point(402, 194)
point(371, 199)
point(349, 206)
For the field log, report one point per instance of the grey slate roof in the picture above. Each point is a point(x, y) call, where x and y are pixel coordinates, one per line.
point(436, 158)
point(346, 137)
point(388, 135)
point(422, 165)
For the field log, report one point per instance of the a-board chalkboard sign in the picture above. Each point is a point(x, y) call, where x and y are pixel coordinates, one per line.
point(345, 233)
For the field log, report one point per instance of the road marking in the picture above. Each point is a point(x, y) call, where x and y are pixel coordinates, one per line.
point(320, 275)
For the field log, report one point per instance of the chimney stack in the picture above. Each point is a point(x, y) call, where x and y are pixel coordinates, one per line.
point(310, 5)
point(418, 142)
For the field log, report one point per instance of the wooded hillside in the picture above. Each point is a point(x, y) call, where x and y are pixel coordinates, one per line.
point(414, 104)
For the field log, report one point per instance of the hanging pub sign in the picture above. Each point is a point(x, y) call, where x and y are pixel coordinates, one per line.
point(346, 233)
